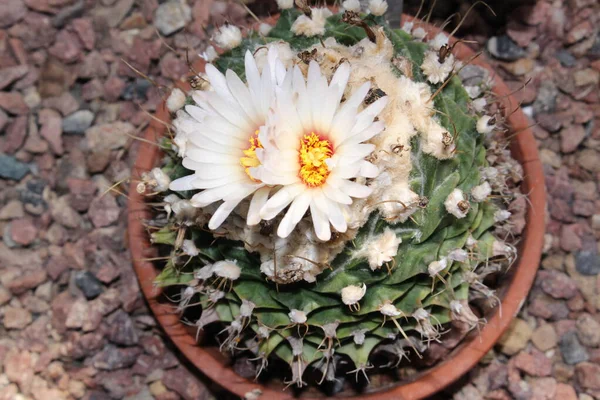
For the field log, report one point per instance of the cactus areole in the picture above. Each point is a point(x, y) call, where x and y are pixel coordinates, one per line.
point(335, 204)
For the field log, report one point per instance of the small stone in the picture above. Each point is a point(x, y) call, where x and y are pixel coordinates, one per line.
point(77, 388)
point(557, 284)
point(67, 13)
point(122, 329)
point(172, 16)
point(571, 137)
point(543, 388)
point(10, 74)
point(78, 122)
point(588, 375)
point(536, 364)
point(104, 211)
point(503, 48)
point(67, 47)
point(89, 284)
point(85, 30)
point(62, 213)
point(113, 15)
point(11, 12)
point(92, 90)
point(570, 237)
point(579, 31)
point(157, 388)
point(113, 88)
point(93, 66)
point(13, 209)
point(587, 262)
point(65, 103)
point(546, 98)
point(571, 349)
point(23, 231)
point(584, 208)
point(51, 129)
point(172, 67)
point(516, 337)
point(546, 307)
point(78, 314)
point(586, 77)
point(588, 159)
point(109, 136)
point(18, 367)
point(565, 392)
point(13, 103)
point(10, 168)
point(16, 318)
point(588, 330)
point(182, 381)
point(544, 337)
point(520, 67)
point(566, 58)
point(112, 357)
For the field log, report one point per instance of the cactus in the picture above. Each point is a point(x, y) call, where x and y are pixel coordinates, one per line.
point(405, 273)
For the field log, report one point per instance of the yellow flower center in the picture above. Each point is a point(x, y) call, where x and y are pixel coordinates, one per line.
point(250, 159)
point(313, 153)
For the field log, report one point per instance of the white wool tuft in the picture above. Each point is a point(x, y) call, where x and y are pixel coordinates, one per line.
point(419, 33)
point(161, 180)
point(383, 248)
point(204, 273)
point(479, 104)
point(285, 4)
point(264, 29)
point(389, 310)
point(246, 308)
point(359, 336)
point(189, 248)
point(481, 192)
point(459, 255)
point(408, 26)
point(438, 41)
point(453, 202)
point(297, 316)
point(484, 126)
point(501, 215)
point(421, 314)
point(436, 267)
point(313, 25)
point(435, 71)
point(176, 100)
point(210, 54)
point(500, 248)
point(228, 37)
point(352, 294)
point(378, 7)
point(471, 242)
point(227, 269)
point(351, 5)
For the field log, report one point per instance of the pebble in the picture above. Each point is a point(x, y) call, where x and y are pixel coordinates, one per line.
point(520, 67)
point(535, 364)
point(566, 58)
point(516, 337)
point(23, 231)
point(16, 317)
point(588, 375)
point(11, 12)
point(112, 16)
point(586, 77)
point(557, 284)
point(11, 168)
point(544, 337)
point(10, 74)
point(587, 262)
point(13, 209)
point(89, 284)
point(78, 122)
point(122, 329)
point(545, 101)
point(172, 16)
point(571, 349)
point(571, 137)
point(112, 357)
point(588, 330)
point(108, 136)
point(51, 129)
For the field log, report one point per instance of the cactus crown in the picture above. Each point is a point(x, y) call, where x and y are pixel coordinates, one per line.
point(415, 240)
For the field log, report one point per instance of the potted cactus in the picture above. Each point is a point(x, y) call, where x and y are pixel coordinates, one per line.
point(330, 203)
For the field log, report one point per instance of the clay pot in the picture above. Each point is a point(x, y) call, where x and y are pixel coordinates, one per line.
point(458, 362)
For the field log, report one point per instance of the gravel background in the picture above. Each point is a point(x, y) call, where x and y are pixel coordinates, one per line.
point(72, 322)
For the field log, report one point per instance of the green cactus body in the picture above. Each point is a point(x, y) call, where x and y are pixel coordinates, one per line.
point(307, 324)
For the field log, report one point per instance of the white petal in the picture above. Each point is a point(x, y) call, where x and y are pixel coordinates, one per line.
point(355, 190)
point(217, 81)
point(258, 201)
point(222, 212)
point(320, 223)
point(183, 183)
point(294, 215)
point(280, 200)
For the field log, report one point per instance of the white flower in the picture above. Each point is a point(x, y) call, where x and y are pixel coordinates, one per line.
point(314, 148)
point(378, 7)
point(436, 71)
point(227, 269)
point(481, 192)
point(210, 54)
point(352, 294)
point(459, 255)
point(389, 310)
point(351, 5)
point(440, 40)
point(313, 25)
point(284, 53)
point(204, 273)
point(189, 248)
point(297, 316)
point(264, 29)
point(382, 248)
point(228, 37)
point(285, 4)
point(501, 215)
point(456, 204)
point(484, 125)
point(436, 267)
point(176, 100)
point(222, 138)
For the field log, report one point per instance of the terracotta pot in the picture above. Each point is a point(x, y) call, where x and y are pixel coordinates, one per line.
point(430, 381)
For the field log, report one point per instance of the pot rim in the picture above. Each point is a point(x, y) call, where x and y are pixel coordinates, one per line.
point(432, 380)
